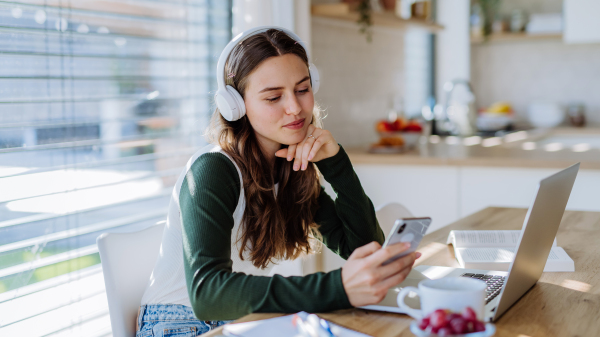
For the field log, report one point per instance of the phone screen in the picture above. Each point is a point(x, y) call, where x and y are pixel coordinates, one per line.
point(407, 230)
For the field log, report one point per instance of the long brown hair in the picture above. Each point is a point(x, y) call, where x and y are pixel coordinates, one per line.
point(278, 224)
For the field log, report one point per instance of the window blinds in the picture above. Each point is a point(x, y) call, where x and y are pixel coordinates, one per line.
point(101, 104)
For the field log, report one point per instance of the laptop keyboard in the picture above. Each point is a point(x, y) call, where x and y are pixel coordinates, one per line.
point(494, 284)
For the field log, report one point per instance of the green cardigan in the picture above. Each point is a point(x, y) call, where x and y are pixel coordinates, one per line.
point(217, 293)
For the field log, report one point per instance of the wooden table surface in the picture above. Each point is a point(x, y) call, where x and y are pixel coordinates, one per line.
point(560, 304)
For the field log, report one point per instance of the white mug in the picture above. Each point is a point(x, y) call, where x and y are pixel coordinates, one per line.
point(454, 293)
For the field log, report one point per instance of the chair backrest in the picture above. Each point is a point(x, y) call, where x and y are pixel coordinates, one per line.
point(127, 262)
point(388, 214)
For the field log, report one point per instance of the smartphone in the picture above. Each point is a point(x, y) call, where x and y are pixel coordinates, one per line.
point(407, 230)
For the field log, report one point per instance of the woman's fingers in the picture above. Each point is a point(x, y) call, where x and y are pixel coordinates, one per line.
point(282, 153)
point(311, 144)
point(395, 279)
point(300, 148)
point(366, 282)
point(388, 252)
point(298, 155)
point(291, 151)
point(394, 267)
point(316, 147)
point(364, 251)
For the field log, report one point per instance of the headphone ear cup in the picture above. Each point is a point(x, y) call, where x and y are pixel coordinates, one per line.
point(315, 80)
point(240, 110)
point(224, 103)
point(228, 101)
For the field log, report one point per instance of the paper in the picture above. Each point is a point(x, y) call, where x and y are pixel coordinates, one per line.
point(500, 259)
point(485, 238)
point(279, 327)
point(487, 254)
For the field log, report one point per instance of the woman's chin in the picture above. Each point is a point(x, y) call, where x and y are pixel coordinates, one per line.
point(296, 138)
point(292, 140)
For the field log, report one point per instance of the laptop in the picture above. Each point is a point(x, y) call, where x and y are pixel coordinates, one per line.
point(506, 288)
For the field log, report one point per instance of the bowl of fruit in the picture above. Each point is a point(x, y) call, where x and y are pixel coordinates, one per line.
point(397, 135)
point(446, 323)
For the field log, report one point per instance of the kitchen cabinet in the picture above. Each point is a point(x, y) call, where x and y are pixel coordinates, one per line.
point(447, 193)
point(481, 187)
point(581, 21)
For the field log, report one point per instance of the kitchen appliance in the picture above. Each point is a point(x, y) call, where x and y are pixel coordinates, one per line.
point(460, 115)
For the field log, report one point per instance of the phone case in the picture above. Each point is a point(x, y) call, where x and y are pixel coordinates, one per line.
point(407, 230)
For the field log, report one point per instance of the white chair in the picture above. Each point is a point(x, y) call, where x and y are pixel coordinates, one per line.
point(388, 214)
point(127, 262)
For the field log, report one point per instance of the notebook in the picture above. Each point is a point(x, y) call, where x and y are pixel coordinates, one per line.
point(279, 327)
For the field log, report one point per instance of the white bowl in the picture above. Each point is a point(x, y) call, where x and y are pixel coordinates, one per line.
point(545, 114)
point(490, 330)
point(411, 139)
point(493, 122)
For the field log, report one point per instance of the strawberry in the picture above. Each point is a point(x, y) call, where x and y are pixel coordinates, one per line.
point(479, 326)
point(399, 124)
point(469, 314)
point(413, 126)
point(438, 319)
point(424, 323)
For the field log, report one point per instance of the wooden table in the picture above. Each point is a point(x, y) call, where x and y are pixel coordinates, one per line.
point(560, 304)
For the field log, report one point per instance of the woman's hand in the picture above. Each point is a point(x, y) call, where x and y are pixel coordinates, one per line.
point(317, 145)
point(366, 281)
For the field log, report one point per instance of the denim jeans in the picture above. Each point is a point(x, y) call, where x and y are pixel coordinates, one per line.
point(171, 320)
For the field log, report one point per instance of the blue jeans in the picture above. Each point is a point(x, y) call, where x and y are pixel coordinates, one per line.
point(171, 320)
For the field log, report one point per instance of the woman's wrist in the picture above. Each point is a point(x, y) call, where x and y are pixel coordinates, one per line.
point(334, 165)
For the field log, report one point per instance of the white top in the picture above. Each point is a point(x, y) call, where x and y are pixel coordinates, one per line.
point(167, 282)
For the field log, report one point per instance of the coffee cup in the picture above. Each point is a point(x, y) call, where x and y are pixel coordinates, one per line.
point(453, 293)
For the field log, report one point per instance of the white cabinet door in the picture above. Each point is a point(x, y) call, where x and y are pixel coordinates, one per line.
point(424, 190)
point(581, 21)
point(586, 192)
point(482, 187)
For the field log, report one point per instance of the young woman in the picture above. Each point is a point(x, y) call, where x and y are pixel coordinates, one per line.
point(253, 198)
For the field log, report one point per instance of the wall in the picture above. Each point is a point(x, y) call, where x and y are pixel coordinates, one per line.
point(530, 6)
point(537, 70)
point(542, 70)
point(358, 79)
point(452, 45)
point(290, 14)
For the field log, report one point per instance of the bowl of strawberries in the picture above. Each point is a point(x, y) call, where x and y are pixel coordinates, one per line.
point(443, 322)
point(400, 133)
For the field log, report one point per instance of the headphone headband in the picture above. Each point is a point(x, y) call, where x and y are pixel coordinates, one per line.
point(241, 37)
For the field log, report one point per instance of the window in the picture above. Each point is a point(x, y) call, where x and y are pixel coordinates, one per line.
point(101, 104)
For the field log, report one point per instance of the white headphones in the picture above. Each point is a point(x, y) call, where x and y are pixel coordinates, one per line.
point(229, 101)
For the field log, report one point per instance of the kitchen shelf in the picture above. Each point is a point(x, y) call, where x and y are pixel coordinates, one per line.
point(514, 37)
point(385, 19)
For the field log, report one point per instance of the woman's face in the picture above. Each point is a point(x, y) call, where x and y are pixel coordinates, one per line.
point(279, 101)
